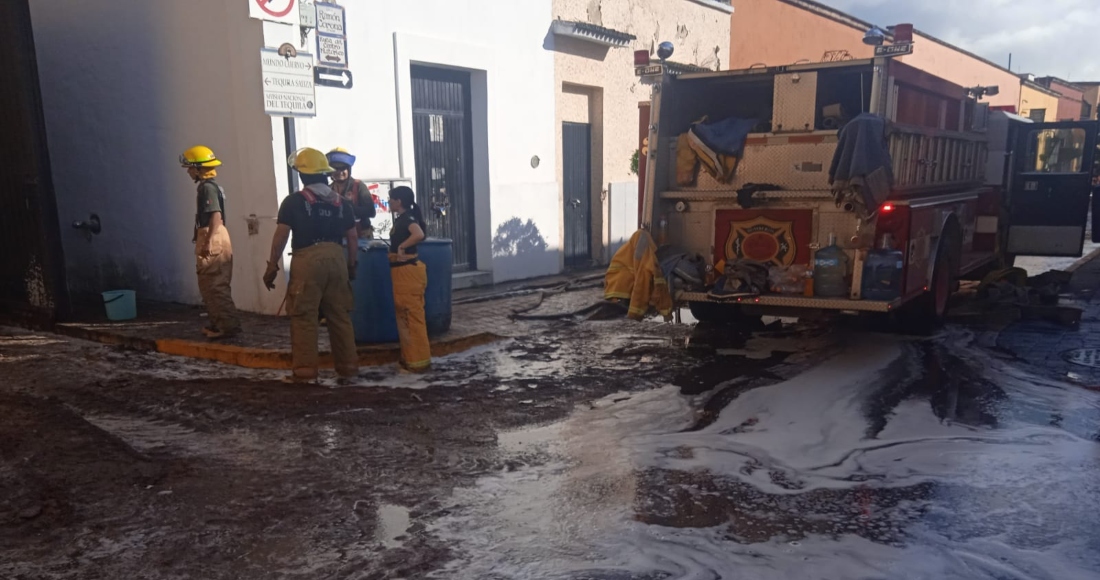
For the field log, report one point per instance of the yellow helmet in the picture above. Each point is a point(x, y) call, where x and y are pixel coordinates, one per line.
point(309, 161)
point(199, 156)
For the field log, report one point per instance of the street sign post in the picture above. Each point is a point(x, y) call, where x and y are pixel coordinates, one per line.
point(288, 84)
point(282, 11)
point(891, 50)
point(333, 77)
point(332, 39)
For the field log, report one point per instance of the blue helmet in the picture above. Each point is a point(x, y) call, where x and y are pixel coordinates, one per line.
point(341, 156)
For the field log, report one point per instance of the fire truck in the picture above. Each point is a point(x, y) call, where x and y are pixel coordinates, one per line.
point(972, 187)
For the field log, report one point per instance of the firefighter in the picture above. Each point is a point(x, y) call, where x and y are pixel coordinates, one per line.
point(213, 251)
point(410, 278)
point(353, 190)
point(321, 268)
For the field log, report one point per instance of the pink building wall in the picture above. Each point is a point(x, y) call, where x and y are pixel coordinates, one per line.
point(778, 32)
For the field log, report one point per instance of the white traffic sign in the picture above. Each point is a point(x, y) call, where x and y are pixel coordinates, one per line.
point(333, 77)
point(284, 11)
point(288, 84)
point(330, 19)
point(332, 51)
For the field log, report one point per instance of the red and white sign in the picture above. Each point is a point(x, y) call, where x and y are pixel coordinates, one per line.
point(282, 11)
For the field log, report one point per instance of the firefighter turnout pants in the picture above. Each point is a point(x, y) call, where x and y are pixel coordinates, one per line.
point(215, 273)
point(319, 280)
point(409, 283)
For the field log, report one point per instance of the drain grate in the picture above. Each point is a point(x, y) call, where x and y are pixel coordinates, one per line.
point(1086, 357)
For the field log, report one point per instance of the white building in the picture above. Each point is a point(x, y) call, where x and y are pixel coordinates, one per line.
point(128, 84)
point(466, 100)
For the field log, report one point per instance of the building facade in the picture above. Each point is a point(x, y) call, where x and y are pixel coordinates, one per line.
point(598, 95)
point(782, 32)
point(459, 102)
point(1037, 102)
point(1071, 99)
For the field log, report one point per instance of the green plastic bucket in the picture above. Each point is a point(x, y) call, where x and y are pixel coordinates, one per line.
point(121, 304)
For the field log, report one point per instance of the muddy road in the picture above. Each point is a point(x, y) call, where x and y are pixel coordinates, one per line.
point(594, 450)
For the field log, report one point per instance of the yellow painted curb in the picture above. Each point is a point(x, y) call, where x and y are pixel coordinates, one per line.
point(260, 358)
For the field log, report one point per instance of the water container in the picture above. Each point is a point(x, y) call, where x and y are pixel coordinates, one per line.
point(436, 254)
point(831, 271)
point(121, 304)
point(374, 318)
point(882, 272)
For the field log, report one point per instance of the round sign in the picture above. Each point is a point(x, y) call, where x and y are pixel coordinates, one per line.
point(276, 8)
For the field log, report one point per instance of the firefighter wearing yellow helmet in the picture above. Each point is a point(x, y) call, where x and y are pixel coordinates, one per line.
point(316, 221)
point(353, 190)
point(213, 251)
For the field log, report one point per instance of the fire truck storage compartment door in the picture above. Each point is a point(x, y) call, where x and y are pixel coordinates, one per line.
point(1049, 195)
point(792, 162)
point(795, 102)
point(772, 236)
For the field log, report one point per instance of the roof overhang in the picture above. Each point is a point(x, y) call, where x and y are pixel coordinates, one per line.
point(592, 33)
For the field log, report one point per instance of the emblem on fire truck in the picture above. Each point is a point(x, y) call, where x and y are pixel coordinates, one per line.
point(762, 239)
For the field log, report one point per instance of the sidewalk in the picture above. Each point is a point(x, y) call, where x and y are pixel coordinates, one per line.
point(1066, 353)
point(479, 316)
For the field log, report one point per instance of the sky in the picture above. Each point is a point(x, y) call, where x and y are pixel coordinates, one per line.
point(1046, 37)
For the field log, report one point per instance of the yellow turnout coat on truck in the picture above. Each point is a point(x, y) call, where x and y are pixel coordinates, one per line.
point(635, 275)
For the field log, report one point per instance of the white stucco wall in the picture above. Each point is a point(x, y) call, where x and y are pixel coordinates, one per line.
point(129, 84)
point(501, 43)
point(701, 33)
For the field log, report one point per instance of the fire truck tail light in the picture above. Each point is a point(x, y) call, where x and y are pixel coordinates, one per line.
point(887, 208)
point(641, 57)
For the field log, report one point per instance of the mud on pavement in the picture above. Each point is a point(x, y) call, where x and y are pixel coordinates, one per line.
point(123, 465)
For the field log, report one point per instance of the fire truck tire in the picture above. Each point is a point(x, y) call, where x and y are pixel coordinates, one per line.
point(722, 313)
point(928, 313)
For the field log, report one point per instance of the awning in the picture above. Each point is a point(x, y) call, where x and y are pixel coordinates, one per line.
point(591, 33)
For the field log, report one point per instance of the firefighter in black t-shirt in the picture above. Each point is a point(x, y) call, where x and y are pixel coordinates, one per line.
point(213, 251)
point(317, 221)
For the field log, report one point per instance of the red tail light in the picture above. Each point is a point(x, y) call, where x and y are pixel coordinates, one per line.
point(887, 208)
point(641, 57)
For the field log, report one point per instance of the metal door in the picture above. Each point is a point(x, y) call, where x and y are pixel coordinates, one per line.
point(32, 276)
point(1049, 190)
point(444, 172)
point(576, 150)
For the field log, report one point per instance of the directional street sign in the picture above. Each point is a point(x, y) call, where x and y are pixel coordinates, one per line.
point(889, 50)
point(333, 77)
point(288, 84)
point(284, 11)
point(332, 38)
point(332, 51)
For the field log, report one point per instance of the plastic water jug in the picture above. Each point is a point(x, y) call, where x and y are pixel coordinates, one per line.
point(831, 271)
point(882, 272)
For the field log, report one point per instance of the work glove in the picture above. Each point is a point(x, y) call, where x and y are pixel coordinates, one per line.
point(269, 275)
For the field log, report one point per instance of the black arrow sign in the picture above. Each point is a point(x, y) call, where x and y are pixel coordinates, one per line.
point(332, 77)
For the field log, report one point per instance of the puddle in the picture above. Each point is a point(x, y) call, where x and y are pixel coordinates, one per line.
point(393, 522)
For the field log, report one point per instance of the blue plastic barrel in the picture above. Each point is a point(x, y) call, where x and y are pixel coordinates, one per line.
point(374, 318)
point(436, 255)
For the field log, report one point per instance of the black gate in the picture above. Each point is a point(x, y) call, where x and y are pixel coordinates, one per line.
point(444, 169)
point(32, 271)
point(576, 150)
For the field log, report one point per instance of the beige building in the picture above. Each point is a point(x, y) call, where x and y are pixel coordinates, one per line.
point(598, 98)
point(1037, 102)
point(1092, 98)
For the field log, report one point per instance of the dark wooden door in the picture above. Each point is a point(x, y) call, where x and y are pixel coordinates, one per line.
point(32, 270)
point(444, 171)
point(576, 150)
